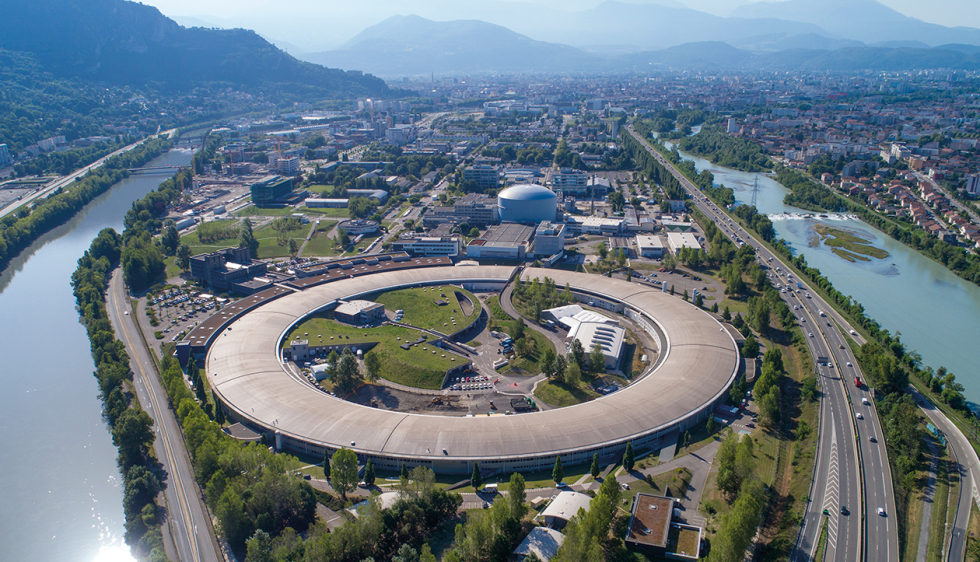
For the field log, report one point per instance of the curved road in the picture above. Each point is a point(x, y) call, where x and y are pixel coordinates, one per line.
point(187, 516)
point(878, 536)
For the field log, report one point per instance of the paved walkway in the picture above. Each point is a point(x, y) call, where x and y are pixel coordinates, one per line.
point(929, 493)
point(699, 463)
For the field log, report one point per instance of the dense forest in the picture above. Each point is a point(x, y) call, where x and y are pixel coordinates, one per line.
point(723, 149)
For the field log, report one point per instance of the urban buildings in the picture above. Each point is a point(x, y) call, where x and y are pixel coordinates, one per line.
point(271, 189)
point(509, 241)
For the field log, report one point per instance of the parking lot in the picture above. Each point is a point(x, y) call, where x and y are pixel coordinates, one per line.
point(177, 312)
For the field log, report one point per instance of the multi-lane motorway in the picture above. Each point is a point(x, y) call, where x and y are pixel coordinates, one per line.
point(187, 517)
point(852, 464)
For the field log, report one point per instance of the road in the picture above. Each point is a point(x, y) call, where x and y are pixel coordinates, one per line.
point(969, 465)
point(878, 537)
point(189, 523)
point(61, 182)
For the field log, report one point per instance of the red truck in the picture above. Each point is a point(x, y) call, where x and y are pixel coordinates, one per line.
point(857, 382)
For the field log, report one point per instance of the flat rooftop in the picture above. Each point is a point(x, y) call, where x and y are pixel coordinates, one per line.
point(650, 522)
point(507, 235)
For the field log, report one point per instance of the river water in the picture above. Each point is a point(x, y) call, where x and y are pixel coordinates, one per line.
point(61, 492)
point(936, 312)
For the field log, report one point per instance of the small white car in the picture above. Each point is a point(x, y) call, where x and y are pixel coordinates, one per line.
point(881, 511)
point(849, 364)
point(860, 416)
point(865, 401)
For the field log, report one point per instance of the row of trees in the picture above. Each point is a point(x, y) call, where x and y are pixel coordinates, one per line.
point(713, 143)
point(535, 296)
point(130, 426)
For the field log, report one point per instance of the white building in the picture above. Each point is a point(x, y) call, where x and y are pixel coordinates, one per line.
point(429, 245)
point(973, 183)
point(317, 203)
point(650, 246)
point(678, 240)
point(542, 542)
point(564, 507)
point(596, 225)
point(549, 239)
point(288, 166)
point(609, 337)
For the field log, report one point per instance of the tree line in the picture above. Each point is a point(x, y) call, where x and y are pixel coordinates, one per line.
point(20, 229)
point(713, 143)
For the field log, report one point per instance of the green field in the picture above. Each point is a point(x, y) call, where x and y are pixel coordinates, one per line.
point(421, 309)
point(332, 213)
point(560, 394)
point(422, 366)
point(221, 234)
point(257, 211)
point(321, 245)
point(268, 240)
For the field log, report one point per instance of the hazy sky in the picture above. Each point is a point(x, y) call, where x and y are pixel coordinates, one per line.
point(945, 12)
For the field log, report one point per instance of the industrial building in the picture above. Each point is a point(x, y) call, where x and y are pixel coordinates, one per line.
point(317, 203)
point(227, 270)
point(563, 508)
point(486, 177)
point(359, 312)
point(651, 528)
point(609, 337)
point(271, 189)
point(678, 240)
point(649, 246)
point(379, 194)
point(509, 241)
point(428, 245)
point(549, 238)
point(527, 203)
point(596, 225)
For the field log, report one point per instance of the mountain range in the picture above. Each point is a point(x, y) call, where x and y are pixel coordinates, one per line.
point(123, 42)
point(412, 46)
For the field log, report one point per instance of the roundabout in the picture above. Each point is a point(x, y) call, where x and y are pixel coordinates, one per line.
point(698, 364)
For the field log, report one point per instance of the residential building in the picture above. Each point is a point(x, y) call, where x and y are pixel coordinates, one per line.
point(570, 182)
point(288, 166)
point(477, 209)
point(972, 183)
point(485, 176)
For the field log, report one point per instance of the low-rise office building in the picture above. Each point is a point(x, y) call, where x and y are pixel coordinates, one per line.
point(607, 336)
point(650, 246)
point(318, 203)
point(359, 312)
point(225, 269)
point(428, 245)
point(271, 189)
point(549, 238)
point(678, 240)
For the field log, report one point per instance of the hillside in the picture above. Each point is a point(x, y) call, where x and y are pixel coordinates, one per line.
point(412, 45)
point(123, 42)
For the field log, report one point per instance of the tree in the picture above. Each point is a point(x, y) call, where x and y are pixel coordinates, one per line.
point(726, 315)
point(476, 479)
point(403, 472)
point(595, 470)
point(671, 290)
point(629, 460)
point(170, 238)
point(326, 464)
point(751, 347)
point(347, 377)
point(709, 425)
point(597, 360)
point(293, 248)
point(573, 374)
point(373, 364)
point(246, 239)
point(474, 232)
point(560, 368)
point(577, 354)
point(369, 476)
point(548, 363)
point(184, 257)
point(344, 472)
point(517, 496)
point(686, 297)
point(132, 435)
point(557, 473)
point(259, 548)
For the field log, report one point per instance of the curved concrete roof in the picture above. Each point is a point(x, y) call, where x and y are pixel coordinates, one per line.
point(244, 370)
point(526, 192)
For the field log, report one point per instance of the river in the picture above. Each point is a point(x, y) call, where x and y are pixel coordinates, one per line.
point(935, 311)
point(62, 491)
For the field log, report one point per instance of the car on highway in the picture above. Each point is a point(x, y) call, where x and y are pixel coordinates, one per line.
point(848, 363)
point(865, 401)
point(872, 439)
point(881, 512)
point(811, 334)
point(843, 510)
point(859, 416)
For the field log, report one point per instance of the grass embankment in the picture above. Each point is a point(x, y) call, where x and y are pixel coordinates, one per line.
point(421, 366)
point(258, 211)
point(268, 238)
point(848, 245)
point(212, 236)
point(940, 507)
point(421, 308)
point(560, 394)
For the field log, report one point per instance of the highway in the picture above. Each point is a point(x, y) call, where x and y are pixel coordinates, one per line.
point(187, 516)
point(63, 181)
point(870, 472)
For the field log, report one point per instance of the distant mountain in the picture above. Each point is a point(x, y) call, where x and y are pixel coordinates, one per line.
point(412, 45)
point(784, 41)
point(712, 56)
point(128, 43)
point(863, 20)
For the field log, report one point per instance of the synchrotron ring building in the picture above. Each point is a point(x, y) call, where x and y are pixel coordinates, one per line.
point(698, 363)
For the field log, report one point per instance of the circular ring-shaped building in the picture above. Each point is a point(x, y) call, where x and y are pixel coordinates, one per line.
point(698, 364)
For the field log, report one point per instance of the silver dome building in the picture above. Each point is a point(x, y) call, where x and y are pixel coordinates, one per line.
point(527, 203)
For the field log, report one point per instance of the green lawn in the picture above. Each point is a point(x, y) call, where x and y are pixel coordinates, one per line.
point(324, 212)
point(257, 211)
point(321, 245)
point(422, 366)
point(268, 240)
point(421, 309)
point(197, 247)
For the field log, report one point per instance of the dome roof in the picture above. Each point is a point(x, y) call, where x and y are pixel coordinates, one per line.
point(527, 192)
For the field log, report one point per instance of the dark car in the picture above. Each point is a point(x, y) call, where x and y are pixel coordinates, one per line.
point(843, 510)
